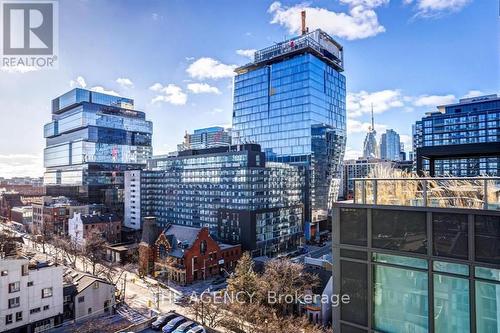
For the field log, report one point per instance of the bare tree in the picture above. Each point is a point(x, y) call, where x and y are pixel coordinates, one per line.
point(42, 235)
point(70, 249)
point(208, 310)
point(94, 249)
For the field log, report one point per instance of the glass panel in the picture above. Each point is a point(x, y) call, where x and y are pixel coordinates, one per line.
point(487, 307)
point(451, 304)
point(355, 284)
point(487, 230)
point(450, 235)
point(399, 230)
point(467, 193)
point(353, 254)
point(400, 260)
point(448, 267)
point(493, 194)
point(353, 226)
point(399, 192)
point(487, 273)
point(400, 301)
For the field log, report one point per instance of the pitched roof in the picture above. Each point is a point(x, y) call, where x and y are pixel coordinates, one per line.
point(181, 235)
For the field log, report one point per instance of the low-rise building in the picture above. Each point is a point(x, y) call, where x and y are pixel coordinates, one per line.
point(184, 254)
point(31, 296)
point(23, 216)
point(87, 296)
point(108, 225)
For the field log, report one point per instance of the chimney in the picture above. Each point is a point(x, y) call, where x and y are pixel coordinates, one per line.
point(303, 15)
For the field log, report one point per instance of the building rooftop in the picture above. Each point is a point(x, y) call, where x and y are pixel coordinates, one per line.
point(95, 218)
point(317, 42)
point(442, 192)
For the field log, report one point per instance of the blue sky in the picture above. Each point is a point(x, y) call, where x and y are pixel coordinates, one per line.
point(175, 58)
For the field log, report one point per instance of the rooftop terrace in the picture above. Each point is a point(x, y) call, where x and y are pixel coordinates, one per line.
point(443, 192)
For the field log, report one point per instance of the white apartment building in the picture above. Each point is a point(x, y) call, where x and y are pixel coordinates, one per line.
point(31, 296)
point(132, 199)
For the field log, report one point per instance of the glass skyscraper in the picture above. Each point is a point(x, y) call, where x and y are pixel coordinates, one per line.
point(291, 101)
point(92, 139)
point(390, 146)
point(461, 139)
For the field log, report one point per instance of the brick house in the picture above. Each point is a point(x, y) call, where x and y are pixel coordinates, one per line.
point(184, 254)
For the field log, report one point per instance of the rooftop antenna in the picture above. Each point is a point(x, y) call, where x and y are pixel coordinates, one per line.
point(304, 28)
point(373, 122)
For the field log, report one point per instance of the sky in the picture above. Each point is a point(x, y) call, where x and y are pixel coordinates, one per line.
point(176, 59)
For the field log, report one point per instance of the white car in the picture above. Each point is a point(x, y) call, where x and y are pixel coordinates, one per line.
point(197, 329)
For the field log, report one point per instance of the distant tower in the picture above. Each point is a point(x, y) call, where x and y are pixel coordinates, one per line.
point(370, 147)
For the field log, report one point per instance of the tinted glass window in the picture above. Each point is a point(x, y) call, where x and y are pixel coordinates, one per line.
point(450, 235)
point(487, 229)
point(351, 329)
point(353, 226)
point(354, 284)
point(353, 254)
point(399, 230)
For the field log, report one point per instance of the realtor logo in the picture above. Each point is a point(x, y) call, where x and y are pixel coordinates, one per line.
point(29, 33)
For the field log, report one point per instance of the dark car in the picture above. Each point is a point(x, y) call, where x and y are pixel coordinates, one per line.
point(162, 320)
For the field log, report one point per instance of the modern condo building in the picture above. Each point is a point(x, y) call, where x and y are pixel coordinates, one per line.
point(418, 255)
point(92, 139)
point(461, 139)
point(291, 101)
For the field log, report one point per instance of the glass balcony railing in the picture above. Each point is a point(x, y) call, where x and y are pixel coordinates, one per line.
point(445, 192)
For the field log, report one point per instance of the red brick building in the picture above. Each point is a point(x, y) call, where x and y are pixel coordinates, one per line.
point(184, 254)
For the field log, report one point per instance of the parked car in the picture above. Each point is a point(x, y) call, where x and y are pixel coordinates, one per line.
point(162, 320)
point(218, 280)
point(197, 329)
point(184, 327)
point(173, 324)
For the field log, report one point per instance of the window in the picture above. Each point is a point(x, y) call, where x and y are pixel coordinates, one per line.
point(5, 273)
point(35, 310)
point(487, 307)
point(487, 238)
point(400, 260)
point(488, 273)
point(400, 299)
point(450, 235)
point(353, 226)
point(81, 299)
point(14, 286)
point(354, 283)
point(89, 311)
point(30, 283)
point(46, 292)
point(19, 316)
point(8, 319)
point(399, 230)
point(13, 302)
point(452, 268)
point(95, 285)
point(451, 304)
point(45, 307)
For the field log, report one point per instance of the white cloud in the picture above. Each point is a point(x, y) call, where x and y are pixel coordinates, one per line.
point(208, 68)
point(407, 140)
point(249, 53)
point(78, 82)
point(125, 82)
point(433, 8)
point(13, 165)
point(103, 90)
point(360, 22)
point(203, 88)
point(19, 69)
point(434, 100)
point(361, 102)
point(474, 93)
point(356, 126)
point(170, 93)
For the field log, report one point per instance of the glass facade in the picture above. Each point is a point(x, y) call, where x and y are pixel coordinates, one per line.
point(390, 146)
point(291, 101)
point(472, 121)
point(91, 140)
point(230, 190)
point(442, 289)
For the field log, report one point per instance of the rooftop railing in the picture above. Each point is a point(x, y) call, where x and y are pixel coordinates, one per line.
point(443, 192)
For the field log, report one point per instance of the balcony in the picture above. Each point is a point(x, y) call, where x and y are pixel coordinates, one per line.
point(442, 192)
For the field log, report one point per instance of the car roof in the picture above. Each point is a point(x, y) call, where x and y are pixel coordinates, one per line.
point(196, 329)
point(176, 320)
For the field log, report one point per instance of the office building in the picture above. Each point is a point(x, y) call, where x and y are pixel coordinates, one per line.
point(418, 255)
point(370, 146)
point(461, 139)
point(291, 101)
point(390, 146)
point(233, 191)
point(31, 295)
point(92, 139)
point(206, 138)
